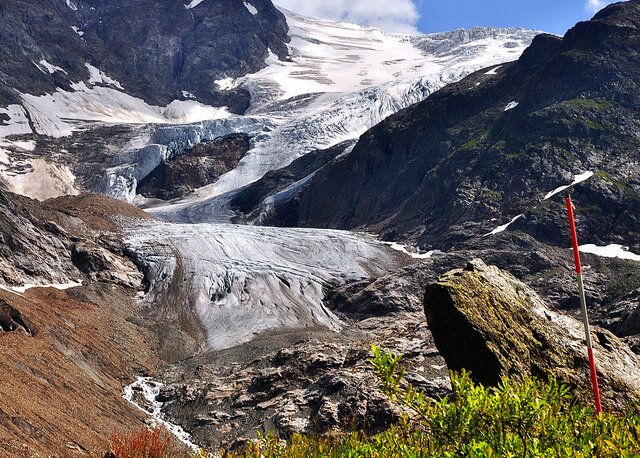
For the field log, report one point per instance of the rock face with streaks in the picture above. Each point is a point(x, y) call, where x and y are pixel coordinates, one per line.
point(486, 321)
point(201, 165)
point(157, 51)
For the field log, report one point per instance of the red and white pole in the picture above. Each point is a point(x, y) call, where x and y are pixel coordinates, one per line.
point(583, 306)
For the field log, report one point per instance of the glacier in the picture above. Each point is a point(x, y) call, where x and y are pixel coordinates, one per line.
point(241, 281)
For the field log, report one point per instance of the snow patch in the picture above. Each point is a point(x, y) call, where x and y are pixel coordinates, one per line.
point(511, 105)
point(252, 9)
point(225, 84)
point(57, 114)
point(577, 179)
point(504, 227)
point(149, 389)
point(188, 95)
point(610, 251)
point(72, 5)
point(77, 30)
point(493, 71)
point(97, 76)
point(49, 67)
point(193, 4)
point(24, 288)
point(18, 123)
point(414, 255)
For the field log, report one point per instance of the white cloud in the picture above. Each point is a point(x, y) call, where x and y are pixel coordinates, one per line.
point(400, 16)
point(596, 5)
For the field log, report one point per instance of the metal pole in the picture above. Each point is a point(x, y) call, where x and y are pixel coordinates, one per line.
point(583, 306)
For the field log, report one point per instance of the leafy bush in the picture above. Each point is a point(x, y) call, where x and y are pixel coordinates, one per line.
point(531, 418)
point(149, 443)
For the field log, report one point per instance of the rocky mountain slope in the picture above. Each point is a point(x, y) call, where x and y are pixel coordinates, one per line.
point(493, 148)
point(155, 51)
point(246, 328)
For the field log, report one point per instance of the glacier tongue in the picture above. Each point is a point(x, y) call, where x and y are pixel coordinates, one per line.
point(342, 80)
point(240, 281)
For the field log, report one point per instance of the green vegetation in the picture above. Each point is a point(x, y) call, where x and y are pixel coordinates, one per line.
point(592, 104)
point(531, 418)
point(611, 180)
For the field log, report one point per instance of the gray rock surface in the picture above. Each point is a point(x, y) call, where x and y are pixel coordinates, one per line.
point(486, 321)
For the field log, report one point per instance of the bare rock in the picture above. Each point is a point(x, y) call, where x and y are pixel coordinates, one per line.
point(486, 321)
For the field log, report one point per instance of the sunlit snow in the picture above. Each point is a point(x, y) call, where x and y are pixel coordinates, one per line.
point(511, 105)
point(577, 179)
point(610, 251)
point(49, 67)
point(252, 9)
point(504, 227)
point(193, 4)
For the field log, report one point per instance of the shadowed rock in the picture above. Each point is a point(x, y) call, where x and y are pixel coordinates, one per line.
point(486, 321)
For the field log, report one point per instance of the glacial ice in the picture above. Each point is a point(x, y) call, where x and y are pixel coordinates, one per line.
point(245, 280)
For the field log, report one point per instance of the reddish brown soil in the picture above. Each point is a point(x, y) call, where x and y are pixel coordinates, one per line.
point(60, 390)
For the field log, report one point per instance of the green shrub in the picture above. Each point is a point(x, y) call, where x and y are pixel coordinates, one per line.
point(532, 418)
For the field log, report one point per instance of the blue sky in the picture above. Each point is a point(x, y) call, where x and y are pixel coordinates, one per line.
point(411, 16)
point(555, 16)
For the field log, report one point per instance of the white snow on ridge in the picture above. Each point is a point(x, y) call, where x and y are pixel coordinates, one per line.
point(252, 9)
point(511, 105)
point(57, 114)
point(245, 280)
point(610, 251)
point(576, 179)
point(18, 124)
point(225, 84)
point(49, 67)
point(504, 227)
point(24, 288)
point(193, 4)
point(414, 255)
point(77, 30)
point(97, 76)
point(493, 71)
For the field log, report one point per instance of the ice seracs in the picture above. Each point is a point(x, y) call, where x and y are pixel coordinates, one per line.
point(241, 281)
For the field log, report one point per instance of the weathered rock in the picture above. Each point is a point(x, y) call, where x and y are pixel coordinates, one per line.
point(198, 167)
point(12, 320)
point(103, 265)
point(486, 321)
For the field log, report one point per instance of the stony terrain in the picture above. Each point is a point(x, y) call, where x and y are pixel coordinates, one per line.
point(253, 326)
point(481, 318)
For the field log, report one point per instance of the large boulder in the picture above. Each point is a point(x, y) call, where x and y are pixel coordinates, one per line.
point(486, 321)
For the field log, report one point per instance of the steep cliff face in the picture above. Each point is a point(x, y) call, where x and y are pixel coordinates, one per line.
point(158, 51)
point(477, 154)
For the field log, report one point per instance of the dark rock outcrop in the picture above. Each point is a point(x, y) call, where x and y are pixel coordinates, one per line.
point(198, 167)
point(249, 202)
point(155, 50)
point(486, 321)
point(12, 320)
